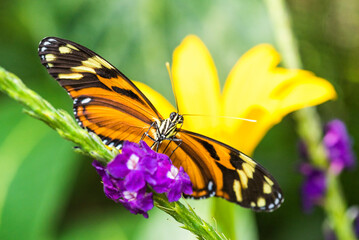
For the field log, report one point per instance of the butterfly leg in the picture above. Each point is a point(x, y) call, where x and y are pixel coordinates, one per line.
point(146, 133)
point(175, 140)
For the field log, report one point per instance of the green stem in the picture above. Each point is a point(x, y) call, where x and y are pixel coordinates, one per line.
point(60, 120)
point(188, 218)
point(336, 209)
point(91, 145)
point(308, 121)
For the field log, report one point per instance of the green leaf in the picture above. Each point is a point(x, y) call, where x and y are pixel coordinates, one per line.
point(37, 170)
point(101, 226)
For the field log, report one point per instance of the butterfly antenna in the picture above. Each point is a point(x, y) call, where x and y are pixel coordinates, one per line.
point(202, 115)
point(172, 83)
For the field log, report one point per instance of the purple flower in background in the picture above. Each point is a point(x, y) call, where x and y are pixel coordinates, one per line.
point(128, 175)
point(338, 145)
point(314, 186)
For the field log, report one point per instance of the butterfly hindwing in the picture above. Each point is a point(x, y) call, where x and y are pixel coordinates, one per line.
point(105, 101)
point(217, 169)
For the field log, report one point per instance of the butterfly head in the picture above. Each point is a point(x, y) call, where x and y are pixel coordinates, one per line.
point(168, 128)
point(176, 118)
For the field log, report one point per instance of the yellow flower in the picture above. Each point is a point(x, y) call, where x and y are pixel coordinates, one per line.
point(255, 89)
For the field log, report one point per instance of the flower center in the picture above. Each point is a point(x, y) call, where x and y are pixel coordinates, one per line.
point(130, 196)
point(172, 174)
point(132, 162)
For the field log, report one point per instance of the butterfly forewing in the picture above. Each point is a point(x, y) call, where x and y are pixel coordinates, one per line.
point(222, 171)
point(105, 101)
point(109, 104)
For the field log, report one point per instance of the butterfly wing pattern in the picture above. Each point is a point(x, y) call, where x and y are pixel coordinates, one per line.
point(107, 103)
point(217, 169)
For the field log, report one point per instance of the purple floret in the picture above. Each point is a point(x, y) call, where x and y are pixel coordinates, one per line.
point(136, 168)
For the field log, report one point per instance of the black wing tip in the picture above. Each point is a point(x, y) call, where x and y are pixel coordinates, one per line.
point(47, 40)
point(52, 39)
point(274, 203)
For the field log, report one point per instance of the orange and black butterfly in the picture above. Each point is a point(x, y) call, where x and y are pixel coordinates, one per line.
point(107, 103)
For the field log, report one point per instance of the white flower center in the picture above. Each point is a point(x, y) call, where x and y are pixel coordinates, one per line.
point(172, 174)
point(132, 162)
point(130, 196)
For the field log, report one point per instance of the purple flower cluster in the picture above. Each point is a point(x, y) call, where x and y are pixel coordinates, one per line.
point(314, 186)
point(338, 145)
point(127, 176)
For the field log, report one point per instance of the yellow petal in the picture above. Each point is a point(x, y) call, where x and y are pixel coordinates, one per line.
point(158, 101)
point(256, 89)
point(248, 81)
point(196, 85)
point(244, 135)
point(303, 90)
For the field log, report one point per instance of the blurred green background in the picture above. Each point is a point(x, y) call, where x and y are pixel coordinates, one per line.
point(49, 192)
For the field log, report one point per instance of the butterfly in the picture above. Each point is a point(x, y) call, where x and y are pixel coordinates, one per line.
point(107, 103)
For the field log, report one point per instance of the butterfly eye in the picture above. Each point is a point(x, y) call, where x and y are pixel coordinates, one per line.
point(173, 115)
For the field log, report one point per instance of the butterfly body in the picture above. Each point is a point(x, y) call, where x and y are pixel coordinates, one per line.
point(107, 103)
point(167, 128)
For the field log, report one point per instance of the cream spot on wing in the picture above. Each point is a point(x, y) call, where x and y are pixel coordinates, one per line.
point(243, 178)
point(248, 169)
point(92, 63)
point(253, 204)
point(73, 76)
point(261, 202)
point(72, 47)
point(267, 188)
point(103, 62)
point(268, 181)
point(237, 190)
point(83, 69)
point(247, 159)
point(64, 50)
point(50, 57)
point(50, 65)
